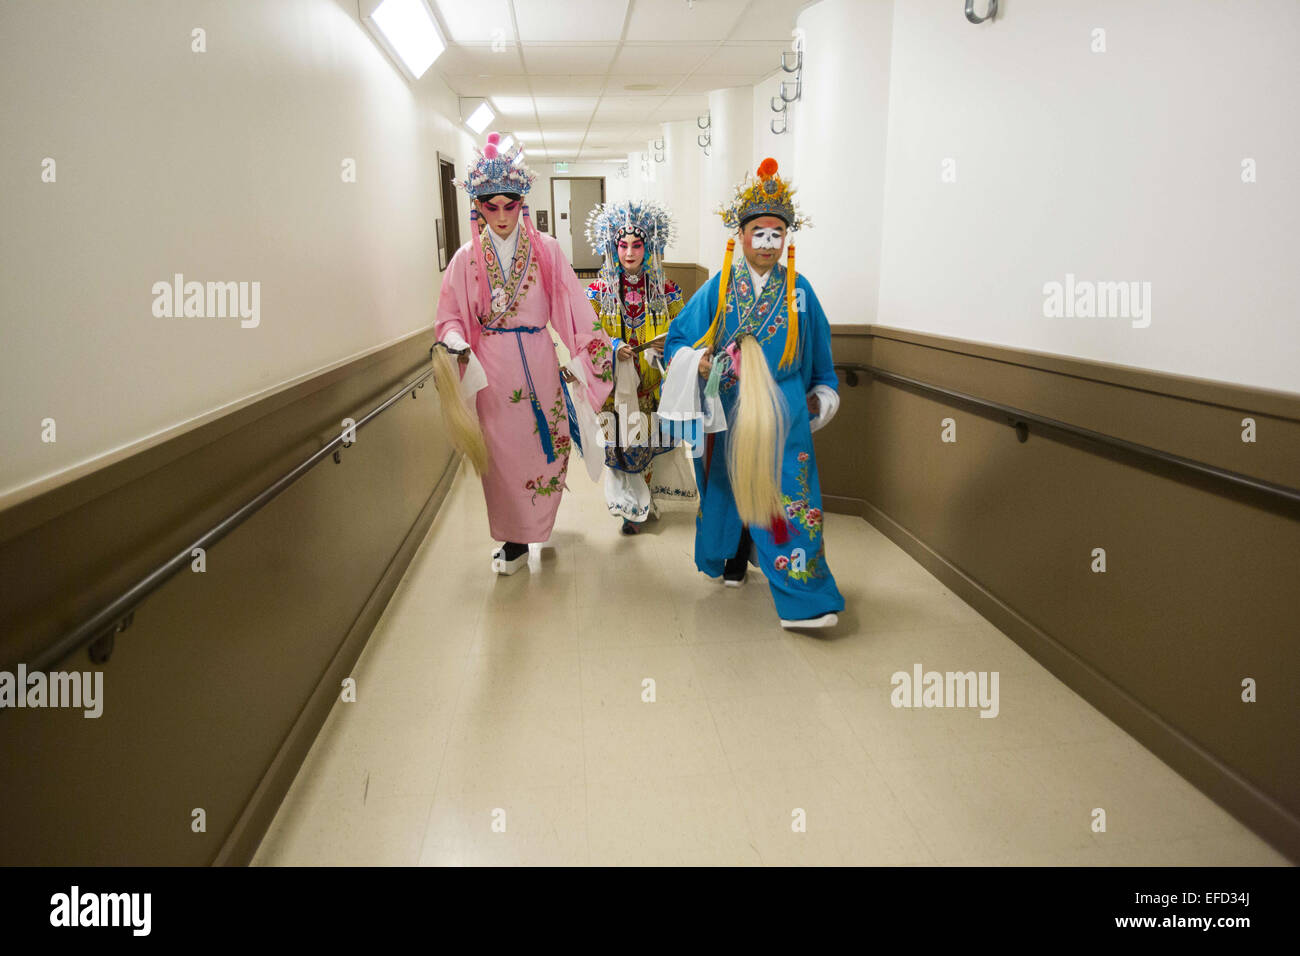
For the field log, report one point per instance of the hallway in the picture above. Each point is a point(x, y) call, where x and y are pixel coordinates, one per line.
point(478, 694)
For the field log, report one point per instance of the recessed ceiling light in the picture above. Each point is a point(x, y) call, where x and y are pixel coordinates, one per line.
point(408, 30)
point(480, 118)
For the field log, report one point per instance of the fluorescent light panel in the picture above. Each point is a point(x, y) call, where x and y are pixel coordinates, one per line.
point(478, 120)
point(410, 32)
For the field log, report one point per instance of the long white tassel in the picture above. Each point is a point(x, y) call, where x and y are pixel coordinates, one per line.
point(757, 440)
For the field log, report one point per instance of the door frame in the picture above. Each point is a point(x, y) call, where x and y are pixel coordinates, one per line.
point(451, 230)
point(555, 212)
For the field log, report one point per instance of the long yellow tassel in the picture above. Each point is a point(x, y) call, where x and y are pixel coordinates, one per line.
point(711, 336)
point(792, 313)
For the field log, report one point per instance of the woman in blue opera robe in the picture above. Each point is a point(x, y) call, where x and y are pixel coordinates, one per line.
point(759, 294)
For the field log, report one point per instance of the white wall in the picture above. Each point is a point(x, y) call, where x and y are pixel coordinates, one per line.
point(643, 176)
point(838, 130)
point(731, 156)
point(683, 161)
point(1116, 166)
point(223, 166)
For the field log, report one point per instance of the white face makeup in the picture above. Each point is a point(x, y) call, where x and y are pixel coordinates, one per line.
point(768, 238)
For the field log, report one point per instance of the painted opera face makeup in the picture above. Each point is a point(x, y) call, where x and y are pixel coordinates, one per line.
point(763, 240)
point(631, 252)
point(501, 213)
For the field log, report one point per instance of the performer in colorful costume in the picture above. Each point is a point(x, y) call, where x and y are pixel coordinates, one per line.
point(634, 304)
point(500, 291)
point(759, 299)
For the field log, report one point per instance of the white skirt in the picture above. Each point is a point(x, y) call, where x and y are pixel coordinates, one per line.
point(627, 495)
point(672, 476)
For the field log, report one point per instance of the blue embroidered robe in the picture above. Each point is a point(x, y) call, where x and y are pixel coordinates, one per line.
point(802, 584)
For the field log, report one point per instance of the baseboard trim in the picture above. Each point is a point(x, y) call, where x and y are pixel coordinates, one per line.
point(839, 505)
point(248, 831)
point(1255, 809)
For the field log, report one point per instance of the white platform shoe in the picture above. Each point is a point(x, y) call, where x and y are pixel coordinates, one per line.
point(501, 566)
point(826, 620)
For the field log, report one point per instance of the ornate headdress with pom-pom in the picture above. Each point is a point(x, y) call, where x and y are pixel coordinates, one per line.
point(648, 220)
point(768, 195)
point(496, 172)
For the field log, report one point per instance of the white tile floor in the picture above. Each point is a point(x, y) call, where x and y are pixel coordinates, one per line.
point(501, 721)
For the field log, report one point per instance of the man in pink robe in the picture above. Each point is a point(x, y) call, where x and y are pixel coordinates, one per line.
point(499, 293)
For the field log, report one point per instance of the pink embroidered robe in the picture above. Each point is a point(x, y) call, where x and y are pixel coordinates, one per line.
point(522, 487)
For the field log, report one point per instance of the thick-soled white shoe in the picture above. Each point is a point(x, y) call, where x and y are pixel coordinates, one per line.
point(826, 620)
point(501, 566)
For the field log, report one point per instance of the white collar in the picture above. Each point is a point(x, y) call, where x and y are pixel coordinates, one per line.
point(505, 247)
point(759, 280)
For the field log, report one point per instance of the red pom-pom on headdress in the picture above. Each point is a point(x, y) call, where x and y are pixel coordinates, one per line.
point(494, 138)
point(490, 151)
point(767, 168)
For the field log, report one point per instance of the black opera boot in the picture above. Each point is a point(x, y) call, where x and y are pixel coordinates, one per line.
point(733, 570)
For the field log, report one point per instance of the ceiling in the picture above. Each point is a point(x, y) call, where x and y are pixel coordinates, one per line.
point(593, 80)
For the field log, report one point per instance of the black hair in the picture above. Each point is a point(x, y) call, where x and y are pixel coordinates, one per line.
point(512, 197)
point(759, 215)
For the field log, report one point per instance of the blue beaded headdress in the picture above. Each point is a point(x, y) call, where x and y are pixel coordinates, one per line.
point(497, 172)
point(652, 223)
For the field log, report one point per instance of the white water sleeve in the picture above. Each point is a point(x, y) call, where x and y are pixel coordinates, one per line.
point(828, 403)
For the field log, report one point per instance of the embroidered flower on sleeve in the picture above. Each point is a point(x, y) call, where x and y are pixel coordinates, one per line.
point(803, 456)
point(782, 562)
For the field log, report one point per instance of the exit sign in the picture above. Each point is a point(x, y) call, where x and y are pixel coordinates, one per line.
point(561, 167)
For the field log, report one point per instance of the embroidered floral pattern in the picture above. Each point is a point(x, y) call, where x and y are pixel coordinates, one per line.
point(599, 354)
point(813, 568)
point(561, 443)
point(666, 491)
point(796, 509)
point(763, 317)
point(544, 487)
point(508, 290)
